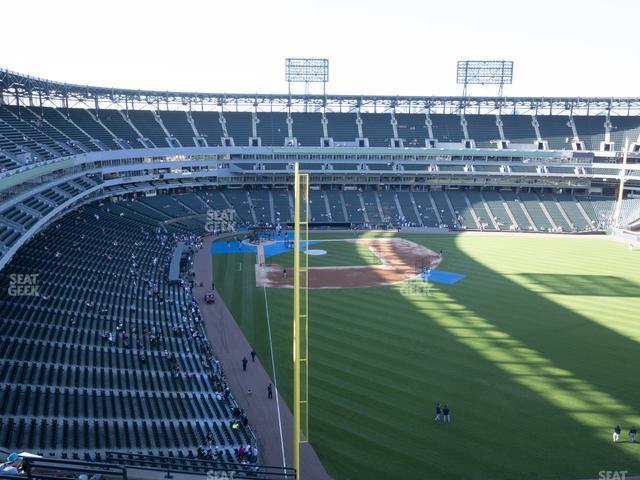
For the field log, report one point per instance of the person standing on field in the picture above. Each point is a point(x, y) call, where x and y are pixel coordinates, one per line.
point(446, 413)
point(616, 433)
point(438, 412)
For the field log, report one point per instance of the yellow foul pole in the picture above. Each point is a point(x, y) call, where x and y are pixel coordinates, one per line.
point(300, 316)
point(296, 323)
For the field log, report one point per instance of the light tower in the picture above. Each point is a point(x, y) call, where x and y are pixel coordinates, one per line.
point(484, 72)
point(307, 71)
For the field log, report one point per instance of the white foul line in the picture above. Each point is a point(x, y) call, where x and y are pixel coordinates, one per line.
point(275, 381)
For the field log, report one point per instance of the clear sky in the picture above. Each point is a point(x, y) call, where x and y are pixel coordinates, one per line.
point(399, 47)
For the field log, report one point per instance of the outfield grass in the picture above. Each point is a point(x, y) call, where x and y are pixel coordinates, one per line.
point(536, 350)
point(338, 254)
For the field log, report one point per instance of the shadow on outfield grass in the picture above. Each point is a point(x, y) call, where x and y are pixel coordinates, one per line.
point(568, 339)
point(589, 285)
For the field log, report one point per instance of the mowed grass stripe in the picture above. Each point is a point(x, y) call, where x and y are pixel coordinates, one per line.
point(338, 254)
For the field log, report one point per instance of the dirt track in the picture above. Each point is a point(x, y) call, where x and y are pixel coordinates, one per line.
point(230, 345)
point(401, 260)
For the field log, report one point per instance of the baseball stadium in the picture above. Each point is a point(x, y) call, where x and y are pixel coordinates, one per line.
point(314, 286)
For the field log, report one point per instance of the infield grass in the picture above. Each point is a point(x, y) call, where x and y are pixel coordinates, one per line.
point(537, 352)
point(338, 254)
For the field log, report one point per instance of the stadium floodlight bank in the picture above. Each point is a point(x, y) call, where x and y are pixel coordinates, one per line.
point(307, 70)
point(484, 72)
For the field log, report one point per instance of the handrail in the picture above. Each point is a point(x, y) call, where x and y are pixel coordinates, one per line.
point(182, 464)
point(62, 469)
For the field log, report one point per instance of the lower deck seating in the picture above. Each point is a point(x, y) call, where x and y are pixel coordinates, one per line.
point(336, 206)
point(462, 210)
point(428, 213)
point(500, 215)
point(353, 205)
point(531, 203)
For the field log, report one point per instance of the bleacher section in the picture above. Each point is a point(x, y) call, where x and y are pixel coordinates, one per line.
point(447, 128)
point(74, 381)
point(239, 127)
point(446, 215)
point(483, 129)
point(282, 206)
point(208, 125)
point(262, 206)
point(408, 210)
point(555, 130)
point(550, 205)
point(61, 122)
point(353, 206)
point(178, 124)
point(146, 123)
point(83, 119)
point(515, 207)
point(16, 219)
point(166, 205)
point(412, 129)
point(336, 206)
point(32, 136)
point(425, 208)
point(590, 130)
point(518, 129)
point(532, 204)
point(500, 214)
point(389, 208)
point(272, 128)
point(568, 204)
point(240, 202)
point(342, 127)
point(36, 117)
point(478, 205)
point(215, 199)
point(370, 200)
point(317, 207)
point(458, 201)
point(377, 128)
point(114, 121)
point(307, 128)
point(192, 202)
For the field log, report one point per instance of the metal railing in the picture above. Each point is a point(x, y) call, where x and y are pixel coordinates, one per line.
point(173, 465)
point(58, 469)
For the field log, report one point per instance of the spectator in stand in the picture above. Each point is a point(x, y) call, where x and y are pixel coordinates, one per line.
point(13, 465)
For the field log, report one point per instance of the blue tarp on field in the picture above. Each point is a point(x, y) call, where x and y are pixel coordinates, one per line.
point(276, 248)
point(440, 276)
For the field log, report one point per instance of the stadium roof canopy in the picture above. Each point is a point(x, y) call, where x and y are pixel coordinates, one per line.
point(16, 88)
